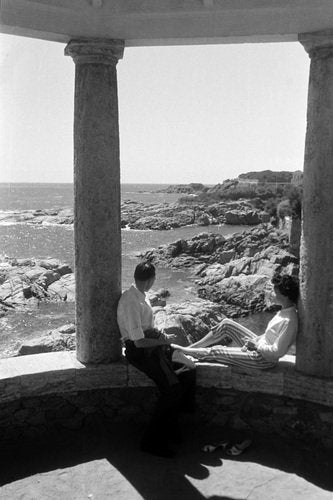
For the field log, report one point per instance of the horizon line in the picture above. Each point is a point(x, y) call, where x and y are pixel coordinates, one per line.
point(122, 183)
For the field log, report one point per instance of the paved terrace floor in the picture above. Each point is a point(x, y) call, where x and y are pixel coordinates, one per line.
point(107, 464)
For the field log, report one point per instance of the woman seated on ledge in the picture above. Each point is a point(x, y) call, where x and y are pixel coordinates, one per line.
point(253, 351)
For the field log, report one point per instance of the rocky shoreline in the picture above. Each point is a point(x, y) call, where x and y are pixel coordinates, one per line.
point(24, 283)
point(163, 216)
point(231, 275)
point(234, 272)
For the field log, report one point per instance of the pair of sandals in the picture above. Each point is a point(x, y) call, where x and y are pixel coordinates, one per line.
point(231, 449)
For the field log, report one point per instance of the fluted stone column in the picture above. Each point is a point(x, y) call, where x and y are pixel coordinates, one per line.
point(315, 341)
point(97, 232)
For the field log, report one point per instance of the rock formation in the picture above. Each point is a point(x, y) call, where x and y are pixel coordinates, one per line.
point(26, 282)
point(163, 216)
point(234, 272)
point(188, 321)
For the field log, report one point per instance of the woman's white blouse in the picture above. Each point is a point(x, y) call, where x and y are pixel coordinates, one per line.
point(280, 333)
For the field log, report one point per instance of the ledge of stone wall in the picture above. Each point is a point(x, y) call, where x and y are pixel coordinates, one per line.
point(60, 372)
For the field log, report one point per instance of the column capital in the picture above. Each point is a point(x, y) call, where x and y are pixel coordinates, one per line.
point(318, 44)
point(102, 51)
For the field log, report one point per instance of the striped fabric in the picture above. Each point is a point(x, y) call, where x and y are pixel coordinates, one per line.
point(231, 355)
point(229, 328)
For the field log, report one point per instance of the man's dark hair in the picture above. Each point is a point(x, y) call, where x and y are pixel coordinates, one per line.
point(144, 271)
point(287, 285)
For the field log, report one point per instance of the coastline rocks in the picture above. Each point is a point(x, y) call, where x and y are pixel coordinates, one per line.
point(211, 248)
point(62, 289)
point(202, 248)
point(189, 211)
point(241, 218)
point(237, 295)
point(264, 263)
point(47, 217)
point(158, 298)
point(157, 217)
point(61, 339)
point(164, 216)
point(192, 188)
point(234, 272)
point(26, 282)
point(189, 321)
point(204, 220)
point(243, 286)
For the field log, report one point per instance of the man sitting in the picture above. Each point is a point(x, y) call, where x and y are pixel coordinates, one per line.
point(151, 353)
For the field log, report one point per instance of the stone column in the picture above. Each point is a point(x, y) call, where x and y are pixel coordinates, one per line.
point(315, 341)
point(97, 232)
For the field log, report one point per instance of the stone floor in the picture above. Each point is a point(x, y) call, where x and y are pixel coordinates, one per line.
point(107, 464)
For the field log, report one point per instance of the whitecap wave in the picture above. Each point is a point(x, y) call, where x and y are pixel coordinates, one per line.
point(9, 223)
point(127, 228)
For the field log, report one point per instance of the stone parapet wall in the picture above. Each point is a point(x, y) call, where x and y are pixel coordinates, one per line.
point(94, 409)
point(47, 392)
point(309, 424)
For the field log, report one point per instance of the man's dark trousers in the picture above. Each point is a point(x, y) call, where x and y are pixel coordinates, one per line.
point(177, 392)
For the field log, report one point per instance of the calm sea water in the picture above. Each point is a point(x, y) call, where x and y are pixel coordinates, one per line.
point(28, 241)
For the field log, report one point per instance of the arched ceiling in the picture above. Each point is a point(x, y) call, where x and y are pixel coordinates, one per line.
point(166, 22)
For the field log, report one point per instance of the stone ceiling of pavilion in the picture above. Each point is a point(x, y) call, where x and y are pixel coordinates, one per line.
point(156, 22)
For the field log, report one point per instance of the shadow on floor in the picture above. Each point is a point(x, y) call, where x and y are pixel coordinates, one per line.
point(115, 459)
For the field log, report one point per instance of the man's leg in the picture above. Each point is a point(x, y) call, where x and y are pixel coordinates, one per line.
point(187, 381)
point(165, 416)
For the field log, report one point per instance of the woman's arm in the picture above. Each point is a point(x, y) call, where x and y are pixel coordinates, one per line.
point(282, 343)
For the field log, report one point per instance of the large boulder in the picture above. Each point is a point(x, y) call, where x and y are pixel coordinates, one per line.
point(63, 289)
point(189, 321)
point(158, 298)
point(235, 217)
point(61, 339)
point(237, 295)
point(162, 218)
point(252, 217)
point(244, 217)
point(265, 263)
point(17, 292)
point(204, 220)
point(26, 282)
point(226, 256)
point(239, 286)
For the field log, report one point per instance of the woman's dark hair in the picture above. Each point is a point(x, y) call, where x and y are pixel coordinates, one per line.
point(287, 285)
point(144, 271)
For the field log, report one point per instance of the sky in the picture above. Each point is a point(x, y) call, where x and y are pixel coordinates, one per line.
point(186, 113)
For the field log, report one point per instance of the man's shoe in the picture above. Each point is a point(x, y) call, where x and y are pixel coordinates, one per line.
point(159, 451)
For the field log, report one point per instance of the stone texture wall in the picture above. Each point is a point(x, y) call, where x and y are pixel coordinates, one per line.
point(307, 423)
point(45, 393)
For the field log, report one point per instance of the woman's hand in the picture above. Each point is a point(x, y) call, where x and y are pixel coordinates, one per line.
point(170, 336)
point(250, 345)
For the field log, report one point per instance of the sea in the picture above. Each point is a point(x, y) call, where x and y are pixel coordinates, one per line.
point(24, 240)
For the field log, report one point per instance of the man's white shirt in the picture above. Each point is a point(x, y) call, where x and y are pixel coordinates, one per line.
point(134, 314)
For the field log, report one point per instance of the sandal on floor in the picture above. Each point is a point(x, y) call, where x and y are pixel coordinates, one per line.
point(209, 448)
point(239, 448)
